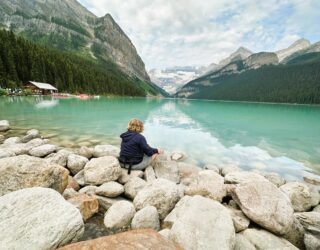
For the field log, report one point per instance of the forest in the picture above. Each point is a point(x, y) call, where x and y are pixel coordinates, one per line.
point(22, 60)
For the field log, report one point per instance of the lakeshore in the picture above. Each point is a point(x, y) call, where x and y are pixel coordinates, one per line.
point(191, 207)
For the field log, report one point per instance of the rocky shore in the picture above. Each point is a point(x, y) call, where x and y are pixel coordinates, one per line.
point(53, 197)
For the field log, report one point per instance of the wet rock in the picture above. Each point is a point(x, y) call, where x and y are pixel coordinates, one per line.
point(4, 125)
point(110, 189)
point(147, 217)
point(25, 171)
point(72, 183)
point(167, 170)
point(100, 170)
point(90, 190)
point(161, 193)
point(31, 134)
point(88, 205)
point(38, 218)
point(275, 178)
point(141, 239)
point(242, 177)
point(105, 150)
point(178, 156)
point(76, 163)
point(149, 174)
point(265, 204)
point(208, 184)
point(105, 203)
point(43, 150)
point(133, 186)
point(119, 215)
point(125, 177)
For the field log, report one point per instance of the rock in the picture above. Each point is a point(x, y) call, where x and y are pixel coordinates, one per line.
point(141, 239)
point(188, 172)
point(263, 239)
point(12, 140)
point(298, 194)
point(316, 209)
point(91, 190)
point(43, 150)
point(312, 179)
point(133, 186)
point(167, 170)
point(105, 203)
point(203, 223)
point(208, 184)
point(240, 221)
point(230, 169)
point(178, 156)
point(259, 59)
point(212, 167)
point(25, 171)
point(230, 189)
point(69, 193)
point(4, 153)
point(79, 178)
point(242, 177)
point(147, 217)
point(4, 125)
point(119, 215)
point(16, 148)
point(161, 193)
point(38, 218)
point(106, 150)
point(2, 138)
point(31, 134)
point(86, 152)
point(275, 178)
point(311, 241)
point(149, 174)
point(88, 205)
point(265, 204)
point(310, 221)
point(315, 194)
point(243, 244)
point(60, 158)
point(100, 170)
point(165, 233)
point(76, 163)
point(72, 183)
point(296, 234)
point(172, 216)
point(125, 177)
point(110, 189)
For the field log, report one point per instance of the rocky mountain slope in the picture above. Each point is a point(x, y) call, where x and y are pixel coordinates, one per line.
point(296, 46)
point(67, 25)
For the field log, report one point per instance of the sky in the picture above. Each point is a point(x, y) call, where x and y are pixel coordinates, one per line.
point(170, 33)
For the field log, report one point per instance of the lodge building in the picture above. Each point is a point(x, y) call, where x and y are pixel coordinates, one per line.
point(39, 88)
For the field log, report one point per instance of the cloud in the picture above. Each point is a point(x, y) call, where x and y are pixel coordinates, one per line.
point(190, 32)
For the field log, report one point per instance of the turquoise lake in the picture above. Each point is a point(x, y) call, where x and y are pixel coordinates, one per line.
point(267, 137)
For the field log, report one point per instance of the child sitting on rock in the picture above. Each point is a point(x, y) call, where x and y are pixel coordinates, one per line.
point(135, 152)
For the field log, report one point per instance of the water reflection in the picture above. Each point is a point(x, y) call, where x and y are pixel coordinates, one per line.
point(47, 104)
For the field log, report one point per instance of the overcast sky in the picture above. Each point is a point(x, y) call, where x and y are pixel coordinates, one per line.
point(198, 32)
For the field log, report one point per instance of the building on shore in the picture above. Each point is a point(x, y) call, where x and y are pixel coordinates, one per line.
point(39, 88)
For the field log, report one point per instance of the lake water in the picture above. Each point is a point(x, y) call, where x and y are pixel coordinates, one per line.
point(267, 137)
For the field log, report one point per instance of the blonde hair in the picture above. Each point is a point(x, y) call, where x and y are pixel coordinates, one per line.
point(135, 125)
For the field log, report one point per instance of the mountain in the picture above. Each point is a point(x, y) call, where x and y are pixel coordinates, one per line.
point(293, 48)
point(68, 26)
point(240, 54)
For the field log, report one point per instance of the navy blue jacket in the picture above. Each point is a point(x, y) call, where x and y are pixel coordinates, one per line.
point(134, 145)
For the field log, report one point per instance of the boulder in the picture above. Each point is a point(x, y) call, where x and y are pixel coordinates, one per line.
point(72, 183)
point(100, 170)
point(178, 156)
point(311, 241)
point(212, 167)
point(4, 125)
point(88, 205)
point(188, 172)
point(2, 138)
point(105, 203)
point(229, 169)
point(76, 163)
point(165, 233)
point(275, 178)
point(316, 209)
point(69, 193)
point(106, 150)
point(160, 193)
point(149, 174)
point(90, 190)
point(86, 152)
point(242, 243)
point(299, 195)
point(315, 194)
point(263, 239)
point(240, 221)
point(119, 215)
point(31, 134)
point(133, 186)
point(203, 223)
point(25, 171)
point(172, 216)
point(79, 178)
point(38, 218)
point(12, 140)
point(141, 239)
point(167, 170)
point(147, 217)
point(242, 177)
point(208, 184)
point(265, 204)
point(110, 189)
point(312, 179)
point(310, 221)
point(4, 153)
point(125, 177)
point(296, 234)
point(60, 158)
point(43, 150)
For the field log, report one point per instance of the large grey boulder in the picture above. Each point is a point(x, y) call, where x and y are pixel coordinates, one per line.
point(243, 243)
point(4, 153)
point(188, 172)
point(275, 178)
point(119, 215)
point(76, 163)
point(105, 150)
point(12, 140)
point(100, 170)
point(208, 184)
point(170, 219)
point(242, 177)
point(311, 223)
point(38, 218)
point(167, 170)
point(31, 134)
point(265, 204)
point(299, 195)
point(60, 158)
point(125, 177)
point(110, 189)
point(263, 239)
point(147, 217)
point(296, 234)
point(25, 171)
point(203, 223)
point(160, 193)
point(85, 152)
point(312, 179)
point(4, 125)
point(43, 150)
point(133, 186)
